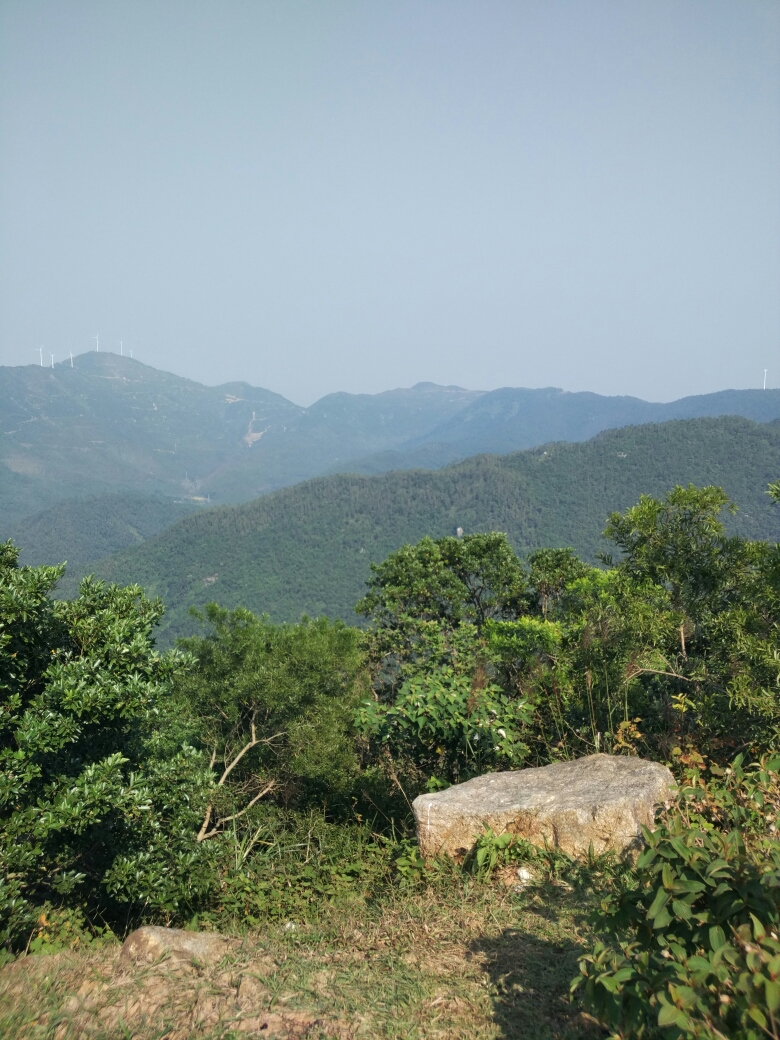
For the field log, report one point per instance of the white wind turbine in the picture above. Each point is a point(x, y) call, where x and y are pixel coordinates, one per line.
point(97, 342)
point(71, 359)
point(52, 360)
point(40, 351)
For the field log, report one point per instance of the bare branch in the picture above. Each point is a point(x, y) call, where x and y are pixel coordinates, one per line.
point(248, 747)
point(204, 831)
point(655, 671)
point(219, 824)
point(204, 825)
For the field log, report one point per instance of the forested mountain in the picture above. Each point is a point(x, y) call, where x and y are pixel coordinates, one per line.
point(110, 424)
point(309, 548)
point(514, 418)
point(83, 530)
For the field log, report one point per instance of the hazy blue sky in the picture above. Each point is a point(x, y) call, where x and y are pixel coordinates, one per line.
point(360, 195)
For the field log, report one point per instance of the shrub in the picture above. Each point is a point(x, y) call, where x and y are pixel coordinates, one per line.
point(690, 943)
point(273, 707)
point(450, 724)
point(99, 793)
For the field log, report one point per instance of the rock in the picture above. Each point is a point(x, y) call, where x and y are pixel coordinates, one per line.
point(601, 799)
point(150, 944)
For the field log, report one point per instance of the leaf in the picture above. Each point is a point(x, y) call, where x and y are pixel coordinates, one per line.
point(658, 903)
point(717, 937)
point(669, 1015)
point(758, 1016)
point(772, 991)
point(681, 910)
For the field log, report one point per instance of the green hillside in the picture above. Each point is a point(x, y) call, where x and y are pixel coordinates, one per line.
point(83, 530)
point(308, 548)
point(110, 424)
point(515, 418)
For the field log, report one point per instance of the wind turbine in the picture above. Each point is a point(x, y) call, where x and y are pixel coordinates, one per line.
point(765, 379)
point(97, 342)
point(40, 351)
point(52, 360)
point(120, 349)
point(71, 359)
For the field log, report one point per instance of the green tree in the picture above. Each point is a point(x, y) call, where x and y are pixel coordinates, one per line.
point(452, 580)
point(551, 572)
point(273, 707)
point(99, 791)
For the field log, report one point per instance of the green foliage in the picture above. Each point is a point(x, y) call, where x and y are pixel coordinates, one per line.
point(671, 651)
point(446, 722)
point(692, 947)
point(552, 571)
point(298, 864)
point(97, 801)
point(452, 580)
point(436, 703)
point(273, 706)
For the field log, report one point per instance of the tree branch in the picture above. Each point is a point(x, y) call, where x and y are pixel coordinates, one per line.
point(204, 833)
point(655, 671)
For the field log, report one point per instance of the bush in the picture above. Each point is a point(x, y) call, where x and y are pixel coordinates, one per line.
point(450, 725)
point(99, 792)
point(273, 706)
point(690, 943)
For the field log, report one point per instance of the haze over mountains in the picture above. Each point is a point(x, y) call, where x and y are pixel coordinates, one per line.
point(112, 424)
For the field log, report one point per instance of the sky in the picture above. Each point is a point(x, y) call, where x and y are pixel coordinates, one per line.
point(332, 195)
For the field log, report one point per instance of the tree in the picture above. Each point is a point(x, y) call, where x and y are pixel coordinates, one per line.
point(99, 790)
point(552, 570)
point(452, 580)
point(273, 707)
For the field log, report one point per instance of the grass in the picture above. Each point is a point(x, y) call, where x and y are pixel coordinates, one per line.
point(453, 958)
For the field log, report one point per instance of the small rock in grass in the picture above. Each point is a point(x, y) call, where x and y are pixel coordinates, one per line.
point(151, 944)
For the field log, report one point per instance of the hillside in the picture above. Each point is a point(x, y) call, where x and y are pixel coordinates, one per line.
point(83, 530)
point(309, 548)
point(112, 425)
point(512, 418)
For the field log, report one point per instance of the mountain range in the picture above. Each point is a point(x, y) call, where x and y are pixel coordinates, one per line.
point(102, 423)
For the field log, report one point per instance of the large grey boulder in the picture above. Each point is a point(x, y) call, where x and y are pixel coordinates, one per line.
point(601, 800)
point(151, 944)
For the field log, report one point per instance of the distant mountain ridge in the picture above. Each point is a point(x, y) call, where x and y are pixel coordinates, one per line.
point(512, 419)
point(309, 548)
point(111, 425)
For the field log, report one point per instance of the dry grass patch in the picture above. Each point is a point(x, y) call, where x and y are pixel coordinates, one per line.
point(475, 962)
